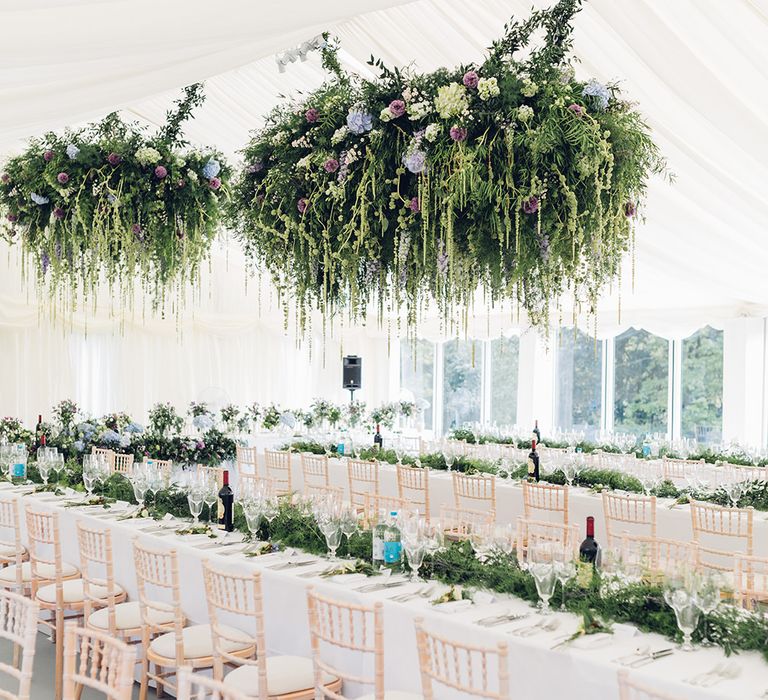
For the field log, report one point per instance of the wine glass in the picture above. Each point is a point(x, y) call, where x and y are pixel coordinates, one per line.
point(542, 568)
point(331, 529)
point(89, 474)
point(138, 480)
point(211, 495)
point(707, 599)
point(44, 464)
point(449, 455)
point(195, 496)
point(678, 595)
point(569, 472)
point(565, 569)
point(348, 522)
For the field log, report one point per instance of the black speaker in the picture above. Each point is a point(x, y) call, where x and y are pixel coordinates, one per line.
point(353, 372)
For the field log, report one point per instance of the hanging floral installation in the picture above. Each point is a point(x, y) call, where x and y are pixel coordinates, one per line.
point(509, 176)
point(111, 203)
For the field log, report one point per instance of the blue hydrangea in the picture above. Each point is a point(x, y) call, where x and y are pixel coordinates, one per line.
point(39, 199)
point(125, 441)
point(359, 122)
point(598, 92)
point(415, 161)
point(72, 151)
point(134, 428)
point(79, 445)
point(110, 437)
point(203, 422)
point(211, 169)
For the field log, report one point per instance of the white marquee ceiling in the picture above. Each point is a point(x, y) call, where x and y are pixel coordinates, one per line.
point(697, 68)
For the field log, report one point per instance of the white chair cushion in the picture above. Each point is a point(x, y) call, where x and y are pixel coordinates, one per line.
point(72, 592)
point(8, 551)
point(128, 616)
point(197, 642)
point(393, 695)
point(47, 571)
point(285, 674)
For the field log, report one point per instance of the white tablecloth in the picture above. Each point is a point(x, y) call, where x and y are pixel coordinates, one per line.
point(537, 670)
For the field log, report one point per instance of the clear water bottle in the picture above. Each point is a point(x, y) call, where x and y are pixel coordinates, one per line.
point(19, 462)
point(393, 548)
point(378, 541)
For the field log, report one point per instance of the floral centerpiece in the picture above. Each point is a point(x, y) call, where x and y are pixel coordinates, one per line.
point(110, 202)
point(510, 175)
point(164, 420)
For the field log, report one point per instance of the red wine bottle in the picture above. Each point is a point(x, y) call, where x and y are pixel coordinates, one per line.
point(533, 463)
point(537, 432)
point(589, 551)
point(378, 441)
point(227, 498)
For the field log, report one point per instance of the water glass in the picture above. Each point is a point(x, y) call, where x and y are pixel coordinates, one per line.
point(542, 568)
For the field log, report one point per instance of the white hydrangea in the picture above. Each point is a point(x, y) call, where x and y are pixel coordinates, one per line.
point(179, 162)
point(525, 113)
point(192, 175)
point(418, 110)
point(302, 142)
point(385, 114)
point(304, 162)
point(487, 88)
point(451, 100)
point(432, 132)
point(529, 88)
point(148, 155)
point(279, 138)
point(339, 135)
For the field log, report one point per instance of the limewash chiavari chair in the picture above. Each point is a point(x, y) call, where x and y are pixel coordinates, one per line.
point(52, 587)
point(623, 509)
point(475, 492)
point(164, 465)
point(109, 613)
point(711, 523)
point(314, 469)
point(102, 452)
point(460, 523)
point(195, 686)
point(352, 629)
point(481, 672)
point(18, 625)
point(120, 463)
point(656, 557)
point(413, 488)
point(278, 466)
point(679, 469)
point(411, 444)
point(534, 532)
point(13, 554)
point(545, 498)
point(751, 581)
point(235, 595)
point(335, 493)
point(363, 479)
point(169, 645)
point(630, 689)
point(247, 460)
point(105, 664)
point(215, 473)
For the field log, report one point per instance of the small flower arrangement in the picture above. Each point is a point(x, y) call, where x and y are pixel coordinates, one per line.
point(271, 417)
point(164, 419)
point(454, 593)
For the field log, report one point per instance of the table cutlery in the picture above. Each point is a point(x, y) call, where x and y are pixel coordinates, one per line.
point(424, 592)
point(543, 625)
point(495, 620)
point(291, 564)
point(722, 671)
point(370, 587)
point(650, 658)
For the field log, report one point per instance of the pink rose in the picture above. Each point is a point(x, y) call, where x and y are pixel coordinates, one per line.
point(578, 110)
point(48, 156)
point(397, 108)
point(58, 213)
point(331, 165)
point(458, 133)
point(415, 205)
point(302, 205)
point(214, 183)
point(114, 159)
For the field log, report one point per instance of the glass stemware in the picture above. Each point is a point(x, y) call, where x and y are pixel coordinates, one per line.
point(565, 569)
point(678, 594)
point(542, 568)
point(707, 599)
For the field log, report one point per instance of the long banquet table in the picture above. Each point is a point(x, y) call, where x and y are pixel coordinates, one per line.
point(538, 670)
point(673, 519)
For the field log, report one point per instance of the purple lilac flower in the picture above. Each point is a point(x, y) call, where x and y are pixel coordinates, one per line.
point(471, 79)
point(531, 205)
point(415, 205)
point(359, 122)
point(136, 229)
point(5, 177)
point(577, 109)
point(343, 167)
point(63, 178)
point(415, 161)
point(311, 115)
point(45, 262)
point(630, 209)
point(372, 270)
point(58, 213)
point(48, 156)
point(200, 445)
point(214, 183)
point(302, 205)
point(160, 172)
point(397, 108)
point(442, 261)
point(458, 133)
point(331, 165)
point(114, 159)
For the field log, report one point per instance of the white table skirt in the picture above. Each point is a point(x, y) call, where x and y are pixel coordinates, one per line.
point(673, 521)
point(537, 670)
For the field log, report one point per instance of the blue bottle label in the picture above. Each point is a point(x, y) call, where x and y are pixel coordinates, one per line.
point(18, 469)
point(392, 552)
point(340, 448)
point(646, 450)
